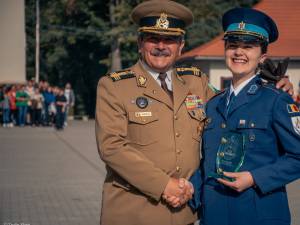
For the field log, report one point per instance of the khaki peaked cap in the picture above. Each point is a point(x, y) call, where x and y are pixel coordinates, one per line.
point(162, 17)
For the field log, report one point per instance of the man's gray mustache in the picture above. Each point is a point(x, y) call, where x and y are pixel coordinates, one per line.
point(158, 52)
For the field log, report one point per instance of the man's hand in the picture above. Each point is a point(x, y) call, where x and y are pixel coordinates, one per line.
point(242, 180)
point(277, 75)
point(286, 86)
point(178, 192)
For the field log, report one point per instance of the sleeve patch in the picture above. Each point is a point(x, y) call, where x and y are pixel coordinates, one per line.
point(292, 108)
point(296, 124)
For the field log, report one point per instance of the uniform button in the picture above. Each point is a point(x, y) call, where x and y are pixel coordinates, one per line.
point(178, 168)
point(223, 125)
point(177, 134)
point(252, 125)
point(199, 129)
point(153, 91)
point(143, 120)
point(175, 117)
point(221, 154)
point(219, 171)
point(252, 137)
point(178, 151)
point(223, 140)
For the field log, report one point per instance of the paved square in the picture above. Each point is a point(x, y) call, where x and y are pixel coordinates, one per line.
point(55, 178)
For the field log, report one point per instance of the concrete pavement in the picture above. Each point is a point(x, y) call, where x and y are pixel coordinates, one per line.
point(55, 178)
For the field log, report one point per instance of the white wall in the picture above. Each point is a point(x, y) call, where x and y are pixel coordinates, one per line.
point(12, 41)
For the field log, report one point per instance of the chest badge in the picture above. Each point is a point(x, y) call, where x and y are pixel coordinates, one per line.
point(193, 102)
point(141, 102)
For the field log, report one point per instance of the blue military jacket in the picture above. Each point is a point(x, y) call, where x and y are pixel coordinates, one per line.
point(270, 123)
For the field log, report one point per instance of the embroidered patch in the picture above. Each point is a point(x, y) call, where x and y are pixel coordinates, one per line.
point(253, 89)
point(193, 102)
point(296, 124)
point(292, 108)
point(141, 102)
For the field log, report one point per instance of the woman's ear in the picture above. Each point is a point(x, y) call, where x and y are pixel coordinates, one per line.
point(262, 58)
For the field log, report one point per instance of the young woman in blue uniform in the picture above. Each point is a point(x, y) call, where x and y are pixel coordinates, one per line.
point(268, 121)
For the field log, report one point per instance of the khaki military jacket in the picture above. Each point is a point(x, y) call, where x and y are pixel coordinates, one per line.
point(145, 137)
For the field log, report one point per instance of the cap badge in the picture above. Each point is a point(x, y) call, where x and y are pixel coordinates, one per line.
point(142, 81)
point(162, 22)
point(242, 25)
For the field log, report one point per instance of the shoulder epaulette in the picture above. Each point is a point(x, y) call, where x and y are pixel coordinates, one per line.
point(181, 71)
point(120, 75)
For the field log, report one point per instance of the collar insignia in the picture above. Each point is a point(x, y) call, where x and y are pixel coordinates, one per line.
point(252, 90)
point(142, 81)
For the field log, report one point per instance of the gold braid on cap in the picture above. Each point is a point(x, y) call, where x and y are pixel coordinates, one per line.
point(162, 27)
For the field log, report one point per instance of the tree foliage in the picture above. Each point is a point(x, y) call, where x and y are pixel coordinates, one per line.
point(78, 39)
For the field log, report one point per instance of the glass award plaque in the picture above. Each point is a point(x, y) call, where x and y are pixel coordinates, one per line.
point(230, 155)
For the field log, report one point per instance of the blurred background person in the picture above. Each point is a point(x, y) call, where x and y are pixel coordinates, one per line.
point(49, 106)
point(13, 107)
point(37, 101)
point(69, 94)
point(29, 89)
point(22, 99)
point(5, 108)
point(60, 102)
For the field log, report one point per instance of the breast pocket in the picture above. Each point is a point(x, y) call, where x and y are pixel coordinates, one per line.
point(143, 127)
point(198, 118)
point(255, 131)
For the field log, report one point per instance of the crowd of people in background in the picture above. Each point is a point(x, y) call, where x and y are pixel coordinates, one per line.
point(36, 104)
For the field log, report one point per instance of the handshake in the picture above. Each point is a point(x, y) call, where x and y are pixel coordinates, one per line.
point(178, 192)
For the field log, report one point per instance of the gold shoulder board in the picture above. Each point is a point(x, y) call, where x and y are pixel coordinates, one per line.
point(120, 75)
point(181, 71)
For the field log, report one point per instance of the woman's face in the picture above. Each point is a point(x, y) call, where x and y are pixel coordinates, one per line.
point(242, 58)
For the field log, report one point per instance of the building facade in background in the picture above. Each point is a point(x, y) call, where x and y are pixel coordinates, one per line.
point(12, 42)
point(210, 56)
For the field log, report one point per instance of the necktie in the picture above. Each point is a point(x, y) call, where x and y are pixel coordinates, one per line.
point(162, 78)
point(230, 102)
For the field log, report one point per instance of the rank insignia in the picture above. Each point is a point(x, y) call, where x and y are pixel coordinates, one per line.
point(193, 102)
point(141, 102)
point(292, 108)
point(296, 124)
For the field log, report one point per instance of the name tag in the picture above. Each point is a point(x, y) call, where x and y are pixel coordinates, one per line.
point(142, 114)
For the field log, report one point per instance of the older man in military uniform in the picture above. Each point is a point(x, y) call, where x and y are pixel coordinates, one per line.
point(149, 120)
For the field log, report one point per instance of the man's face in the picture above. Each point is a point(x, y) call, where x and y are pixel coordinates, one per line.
point(242, 58)
point(160, 52)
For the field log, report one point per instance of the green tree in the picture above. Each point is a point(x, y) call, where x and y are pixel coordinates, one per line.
point(81, 40)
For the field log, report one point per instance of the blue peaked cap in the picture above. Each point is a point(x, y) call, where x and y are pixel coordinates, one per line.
point(249, 23)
